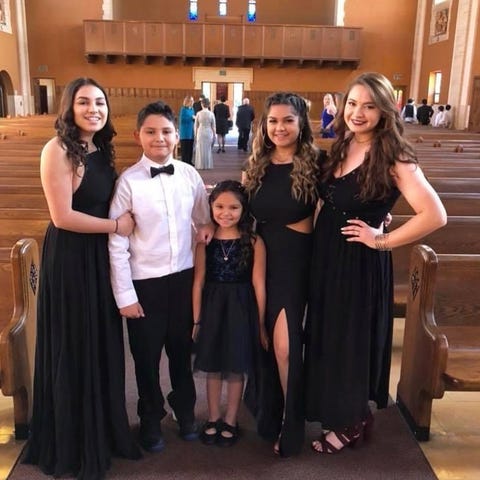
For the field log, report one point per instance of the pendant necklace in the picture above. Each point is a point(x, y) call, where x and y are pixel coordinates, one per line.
point(227, 252)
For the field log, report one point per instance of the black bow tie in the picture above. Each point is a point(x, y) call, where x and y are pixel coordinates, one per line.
point(166, 169)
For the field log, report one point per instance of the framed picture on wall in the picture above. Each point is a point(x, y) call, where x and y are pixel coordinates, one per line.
point(440, 20)
point(5, 25)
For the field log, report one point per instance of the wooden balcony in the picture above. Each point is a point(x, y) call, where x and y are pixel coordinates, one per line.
point(216, 43)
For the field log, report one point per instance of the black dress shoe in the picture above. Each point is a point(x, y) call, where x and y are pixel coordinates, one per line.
point(151, 438)
point(152, 443)
point(188, 431)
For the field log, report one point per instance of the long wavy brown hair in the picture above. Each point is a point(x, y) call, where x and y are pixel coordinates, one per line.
point(305, 164)
point(388, 145)
point(69, 133)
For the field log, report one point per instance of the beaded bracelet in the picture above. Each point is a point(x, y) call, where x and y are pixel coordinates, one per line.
point(381, 242)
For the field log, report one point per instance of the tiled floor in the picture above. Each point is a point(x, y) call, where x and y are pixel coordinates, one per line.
point(453, 450)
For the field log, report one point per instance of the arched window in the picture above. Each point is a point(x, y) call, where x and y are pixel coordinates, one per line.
point(252, 11)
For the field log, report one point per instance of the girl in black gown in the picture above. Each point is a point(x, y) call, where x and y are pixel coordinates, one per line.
point(281, 180)
point(79, 418)
point(349, 323)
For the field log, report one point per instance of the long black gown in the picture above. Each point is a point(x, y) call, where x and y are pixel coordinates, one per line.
point(79, 418)
point(288, 262)
point(348, 330)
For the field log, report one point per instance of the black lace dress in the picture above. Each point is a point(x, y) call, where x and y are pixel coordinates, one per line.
point(228, 337)
point(348, 331)
point(79, 418)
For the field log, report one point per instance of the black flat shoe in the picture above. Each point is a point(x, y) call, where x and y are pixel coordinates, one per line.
point(210, 438)
point(224, 441)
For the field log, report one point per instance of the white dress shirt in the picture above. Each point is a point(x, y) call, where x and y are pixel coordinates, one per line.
point(165, 208)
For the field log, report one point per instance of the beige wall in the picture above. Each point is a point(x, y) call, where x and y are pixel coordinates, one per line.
point(9, 49)
point(437, 56)
point(388, 36)
point(476, 53)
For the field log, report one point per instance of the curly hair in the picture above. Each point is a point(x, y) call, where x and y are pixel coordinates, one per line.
point(305, 165)
point(69, 133)
point(388, 145)
point(245, 223)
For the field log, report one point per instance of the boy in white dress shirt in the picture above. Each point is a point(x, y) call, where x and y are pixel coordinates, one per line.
point(152, 270)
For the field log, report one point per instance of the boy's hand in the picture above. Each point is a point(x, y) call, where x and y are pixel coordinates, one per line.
point(132, 311)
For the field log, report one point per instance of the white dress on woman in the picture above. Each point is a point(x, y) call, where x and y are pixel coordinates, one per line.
point(205, 138)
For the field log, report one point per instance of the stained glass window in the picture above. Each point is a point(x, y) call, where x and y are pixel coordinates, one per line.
point(252, 11)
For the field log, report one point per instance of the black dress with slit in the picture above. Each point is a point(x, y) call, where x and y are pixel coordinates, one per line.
point(288, 263)
point(79, 417)
point(348, 332)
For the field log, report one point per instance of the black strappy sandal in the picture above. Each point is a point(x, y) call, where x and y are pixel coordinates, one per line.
point(347, 437)
point(210, 438)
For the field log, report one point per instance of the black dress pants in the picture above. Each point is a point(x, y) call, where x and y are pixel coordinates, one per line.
point(167, 304)
point(186, 150)
point(243, 136)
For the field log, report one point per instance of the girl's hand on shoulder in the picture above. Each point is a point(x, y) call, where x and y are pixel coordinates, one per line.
point(132, 311)
point(126, 224)
point(359, 231)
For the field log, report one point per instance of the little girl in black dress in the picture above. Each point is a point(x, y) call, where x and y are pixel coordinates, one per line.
point(228, 307)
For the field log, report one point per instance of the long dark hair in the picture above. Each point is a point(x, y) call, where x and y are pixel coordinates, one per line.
point(388, 145)
point(305, 160)
point(245, 223)
point(68, 131)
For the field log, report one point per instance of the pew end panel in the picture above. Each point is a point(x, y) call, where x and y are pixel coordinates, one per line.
point(17, 340)
point(441, 347)
point(460, 234)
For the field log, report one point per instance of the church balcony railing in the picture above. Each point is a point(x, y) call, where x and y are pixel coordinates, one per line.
point(222, 43)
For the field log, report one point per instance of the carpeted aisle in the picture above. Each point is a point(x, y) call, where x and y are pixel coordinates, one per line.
point(391, 454)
